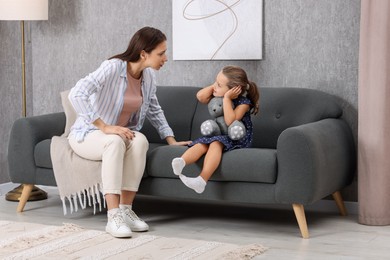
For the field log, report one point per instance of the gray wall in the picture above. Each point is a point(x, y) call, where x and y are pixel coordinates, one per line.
point(307, 44)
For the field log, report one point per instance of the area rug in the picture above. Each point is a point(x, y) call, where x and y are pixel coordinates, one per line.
point(21, 240)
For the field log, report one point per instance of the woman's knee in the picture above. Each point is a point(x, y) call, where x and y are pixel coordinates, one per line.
point(140, 141)
point(115, 141)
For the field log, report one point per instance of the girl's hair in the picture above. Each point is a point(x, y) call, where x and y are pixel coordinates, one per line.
point(237, 77)
point(147, 39)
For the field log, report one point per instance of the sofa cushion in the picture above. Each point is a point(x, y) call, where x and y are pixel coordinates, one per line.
point(42, 154)
point(255, 165)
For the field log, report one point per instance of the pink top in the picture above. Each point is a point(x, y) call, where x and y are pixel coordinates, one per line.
point(132, 100)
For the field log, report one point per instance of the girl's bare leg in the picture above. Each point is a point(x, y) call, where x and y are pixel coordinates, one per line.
point(194, 153)
point(212, 159)
point(190, 156)
point(211, 162)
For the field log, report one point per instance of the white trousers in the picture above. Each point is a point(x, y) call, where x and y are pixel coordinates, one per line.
point(123, 164)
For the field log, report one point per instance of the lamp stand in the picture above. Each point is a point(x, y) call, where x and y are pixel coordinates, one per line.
point(37, 193)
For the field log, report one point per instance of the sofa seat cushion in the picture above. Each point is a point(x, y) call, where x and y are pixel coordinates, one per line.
point(42, 154)
point(243, 165)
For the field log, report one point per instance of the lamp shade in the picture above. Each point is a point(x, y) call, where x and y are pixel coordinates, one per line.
point(21, 10)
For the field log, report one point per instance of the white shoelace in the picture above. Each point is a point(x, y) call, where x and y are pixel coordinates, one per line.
point(131, 214)
point(118, 219)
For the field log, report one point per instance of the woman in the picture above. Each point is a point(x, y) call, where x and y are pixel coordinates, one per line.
point(112, 104)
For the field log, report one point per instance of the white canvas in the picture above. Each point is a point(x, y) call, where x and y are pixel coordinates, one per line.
point(217, 29)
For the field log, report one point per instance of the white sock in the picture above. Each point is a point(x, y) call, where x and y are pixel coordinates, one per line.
point(178, 165)
point(198, 184)
point(112, 212)
point(125, 206)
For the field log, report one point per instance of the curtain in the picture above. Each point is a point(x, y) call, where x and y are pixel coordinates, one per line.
point(374, 113)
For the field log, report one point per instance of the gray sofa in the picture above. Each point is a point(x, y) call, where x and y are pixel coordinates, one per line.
point(302, 152)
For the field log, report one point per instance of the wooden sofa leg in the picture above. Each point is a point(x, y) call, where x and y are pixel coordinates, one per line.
point(27, 188)
point(340, 203)
point(300, 215)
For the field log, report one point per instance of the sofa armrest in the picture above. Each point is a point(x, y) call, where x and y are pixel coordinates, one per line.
point(25, 134)
point(314, 161)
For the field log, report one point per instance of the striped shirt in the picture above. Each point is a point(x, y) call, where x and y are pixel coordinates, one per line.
point(101, 95)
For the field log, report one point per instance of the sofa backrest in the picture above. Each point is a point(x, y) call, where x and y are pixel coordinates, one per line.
point(179, 105)
point(280, 108)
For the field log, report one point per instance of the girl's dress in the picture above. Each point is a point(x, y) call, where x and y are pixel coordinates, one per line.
point(230, 144)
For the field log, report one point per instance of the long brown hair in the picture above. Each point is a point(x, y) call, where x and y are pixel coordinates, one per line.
point(237, 77)
point(147, 39)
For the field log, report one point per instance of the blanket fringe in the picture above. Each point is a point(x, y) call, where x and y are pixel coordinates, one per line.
point(93, 194)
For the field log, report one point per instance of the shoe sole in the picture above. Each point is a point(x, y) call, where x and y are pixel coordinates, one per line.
point(114, 234)
point(139, 229)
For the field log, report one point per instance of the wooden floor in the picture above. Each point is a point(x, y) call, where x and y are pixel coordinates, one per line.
point(331, 235)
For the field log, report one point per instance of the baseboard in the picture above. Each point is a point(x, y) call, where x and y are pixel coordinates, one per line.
point(319, 206)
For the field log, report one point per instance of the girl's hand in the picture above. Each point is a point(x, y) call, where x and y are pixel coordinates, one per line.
point(233, 93)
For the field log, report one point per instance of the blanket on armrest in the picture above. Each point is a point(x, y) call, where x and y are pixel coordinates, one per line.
point(78, 179)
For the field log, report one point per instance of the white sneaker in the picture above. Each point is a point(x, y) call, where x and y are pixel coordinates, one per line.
point(132, 220)
point(117, 226)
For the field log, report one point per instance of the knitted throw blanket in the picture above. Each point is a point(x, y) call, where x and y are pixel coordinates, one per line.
point(78, 180)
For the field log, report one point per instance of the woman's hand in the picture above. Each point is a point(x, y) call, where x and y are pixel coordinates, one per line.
point(182, 143)
point(172, 141)
point(123, 132)
point(233, 93)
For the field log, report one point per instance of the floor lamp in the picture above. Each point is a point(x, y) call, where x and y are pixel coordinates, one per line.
point(24, 10)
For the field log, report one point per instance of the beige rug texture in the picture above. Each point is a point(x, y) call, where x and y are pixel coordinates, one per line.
point(21, 240)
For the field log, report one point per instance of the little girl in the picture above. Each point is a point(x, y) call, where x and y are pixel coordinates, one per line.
point(240, 99)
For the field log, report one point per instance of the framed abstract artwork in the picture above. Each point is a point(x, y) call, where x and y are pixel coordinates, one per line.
point(217, 29)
